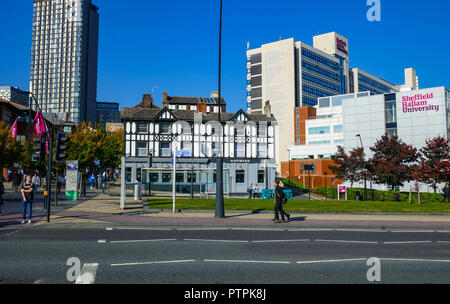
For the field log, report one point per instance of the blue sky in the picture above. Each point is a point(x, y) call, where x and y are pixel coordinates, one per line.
point(172, 45)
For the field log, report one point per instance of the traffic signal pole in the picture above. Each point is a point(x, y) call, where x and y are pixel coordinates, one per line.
point(49, 175)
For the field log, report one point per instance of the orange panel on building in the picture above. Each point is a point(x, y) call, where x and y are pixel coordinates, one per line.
point(321, 176)
point(301, 114)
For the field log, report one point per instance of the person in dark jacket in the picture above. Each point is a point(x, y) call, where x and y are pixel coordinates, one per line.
point(278, 200)
point(446, 191)
point(2, 191)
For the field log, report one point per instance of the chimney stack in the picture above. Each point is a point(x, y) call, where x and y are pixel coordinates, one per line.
point(165, 102)
point(268, 109)
point(147, 101)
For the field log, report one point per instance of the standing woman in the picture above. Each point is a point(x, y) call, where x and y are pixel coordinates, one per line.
point(27, 199)
point(278, 198)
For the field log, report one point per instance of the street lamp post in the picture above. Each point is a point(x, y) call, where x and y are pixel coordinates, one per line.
point(364, 168)
point(289, 166)
point(220, 212)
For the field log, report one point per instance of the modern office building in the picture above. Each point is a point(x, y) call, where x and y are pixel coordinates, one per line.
point(107, 112)
point(248, 142)
point(14, 94)
point(361, 81)
point(64, 53)
point(414, 116)
point(291, 75)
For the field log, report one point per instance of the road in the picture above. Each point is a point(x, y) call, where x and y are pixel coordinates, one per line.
point(229, 255)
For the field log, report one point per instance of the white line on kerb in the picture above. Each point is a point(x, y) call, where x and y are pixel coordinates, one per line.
point(331, 261)
point(154, 262)
point(88, 273)
point(142, 241)
point(407, 242)
point(246, 261)
point(344, 241)
point(224, 241)
point(275, 241)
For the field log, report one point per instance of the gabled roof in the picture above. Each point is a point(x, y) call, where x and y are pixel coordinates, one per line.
point(15, 105)
point(155, 114)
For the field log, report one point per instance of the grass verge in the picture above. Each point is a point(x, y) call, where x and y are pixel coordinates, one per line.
point(301, 205)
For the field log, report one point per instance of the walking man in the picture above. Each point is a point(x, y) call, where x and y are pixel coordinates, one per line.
point(278, 198)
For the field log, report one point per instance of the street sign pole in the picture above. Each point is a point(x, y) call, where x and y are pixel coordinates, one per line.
point(173, 175)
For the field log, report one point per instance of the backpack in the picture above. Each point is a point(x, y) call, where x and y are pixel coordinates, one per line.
point(284, 198)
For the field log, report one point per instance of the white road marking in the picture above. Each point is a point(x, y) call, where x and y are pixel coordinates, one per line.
point(154, 262)
point(257, 229)
point(102, 241)
point(246, 261)
point(280, 241)
point(414, 260)
point(224, 241)
point(407, 242)
point(201, 229)
point(445, 242)
point(109, 229)
point(361, 230)
point(88, 273)
point(143, 228)
point(344, 241)
point(309, 229)
point(142, 241)
point(331, 261)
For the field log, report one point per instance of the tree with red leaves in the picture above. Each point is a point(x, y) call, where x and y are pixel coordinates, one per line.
point(349, 166)
point(435, 161)
point(392, 161)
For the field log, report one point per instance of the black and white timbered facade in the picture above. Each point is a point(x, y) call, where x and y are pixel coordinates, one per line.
point(246, 141)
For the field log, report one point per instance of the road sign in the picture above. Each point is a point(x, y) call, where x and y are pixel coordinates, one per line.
point(342, 189)
point(183, 153)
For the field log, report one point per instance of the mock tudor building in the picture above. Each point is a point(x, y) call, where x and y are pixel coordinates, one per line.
point(248, 147)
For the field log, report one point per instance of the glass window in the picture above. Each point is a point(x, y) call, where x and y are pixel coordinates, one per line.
point(260, 176)
point(128, 174)
point(142, 128)
point(319, 130)
point(179, 177)
point(165, 127)
point(240, 150)
point(338, 129)
point(189, 177)
point(154, 177)
point(165, 149)
point(166, 177)
point(240, 176)
point(142, 148)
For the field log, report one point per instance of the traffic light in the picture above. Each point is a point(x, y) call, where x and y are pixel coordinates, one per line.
point(61, 146)
point(39, 148)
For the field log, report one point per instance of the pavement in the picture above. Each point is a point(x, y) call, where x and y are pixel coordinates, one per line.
point(104, 209)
